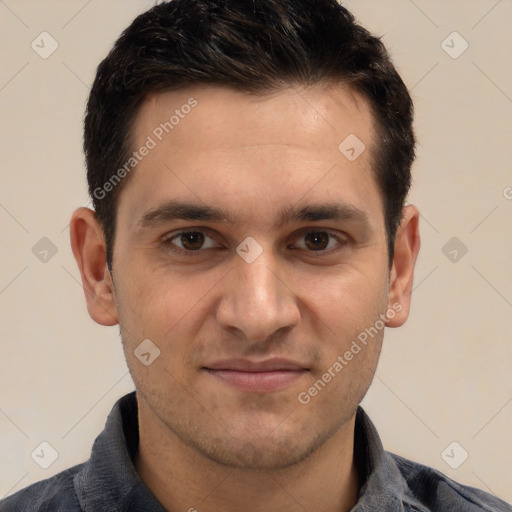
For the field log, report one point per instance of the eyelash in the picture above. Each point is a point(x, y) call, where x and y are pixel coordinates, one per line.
point(167, 242)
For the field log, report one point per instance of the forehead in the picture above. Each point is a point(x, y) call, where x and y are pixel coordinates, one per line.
point(224, 146)
point(326, 111)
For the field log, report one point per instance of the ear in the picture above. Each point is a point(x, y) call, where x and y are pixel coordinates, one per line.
point(88, 245)
point(407, 246)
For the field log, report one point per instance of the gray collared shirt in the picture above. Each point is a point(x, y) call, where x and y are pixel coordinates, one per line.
point(108, 481)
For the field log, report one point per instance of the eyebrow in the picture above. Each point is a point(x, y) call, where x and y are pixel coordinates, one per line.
point(180, 210)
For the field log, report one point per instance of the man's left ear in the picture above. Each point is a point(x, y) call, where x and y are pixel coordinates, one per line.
point(407, 246)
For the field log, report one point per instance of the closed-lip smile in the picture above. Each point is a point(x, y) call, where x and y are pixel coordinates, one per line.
point(257, 376)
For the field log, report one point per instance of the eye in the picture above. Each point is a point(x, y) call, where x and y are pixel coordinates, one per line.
point(190, 241)
point(321, 241)
point(194, 241)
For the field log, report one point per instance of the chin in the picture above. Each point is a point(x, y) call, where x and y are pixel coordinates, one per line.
point(255, 450)
point(264, 456)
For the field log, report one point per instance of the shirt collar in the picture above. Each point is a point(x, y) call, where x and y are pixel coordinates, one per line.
point(383, 486)
point(109, 480)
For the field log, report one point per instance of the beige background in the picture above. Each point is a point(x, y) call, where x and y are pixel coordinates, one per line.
point(445, 376)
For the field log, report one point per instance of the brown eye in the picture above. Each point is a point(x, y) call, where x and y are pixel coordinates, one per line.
point(192, 240)
point(317, 240)
point(321, 241)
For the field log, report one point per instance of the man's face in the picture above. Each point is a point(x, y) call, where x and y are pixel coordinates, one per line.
point(215, 312)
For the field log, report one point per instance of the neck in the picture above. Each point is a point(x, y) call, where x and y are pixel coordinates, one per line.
point(182, 479)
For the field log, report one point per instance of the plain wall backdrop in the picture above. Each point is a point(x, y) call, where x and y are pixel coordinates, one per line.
point(443, 378)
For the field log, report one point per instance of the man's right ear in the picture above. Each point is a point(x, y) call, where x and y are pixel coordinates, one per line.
point(88, 245)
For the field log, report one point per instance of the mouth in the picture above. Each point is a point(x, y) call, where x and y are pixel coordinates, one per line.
point(257, 376)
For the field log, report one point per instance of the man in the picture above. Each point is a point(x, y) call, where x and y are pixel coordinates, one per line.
point(249, 163)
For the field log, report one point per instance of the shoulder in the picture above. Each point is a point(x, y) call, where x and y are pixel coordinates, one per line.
point(438, 492)
point(55, 494)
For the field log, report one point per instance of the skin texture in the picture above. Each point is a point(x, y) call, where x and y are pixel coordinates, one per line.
point(206, 444)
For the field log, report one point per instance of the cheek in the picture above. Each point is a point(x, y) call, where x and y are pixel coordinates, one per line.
point(164, 312)
point(346, 296)
point(347, 315)
point(161, 305)
point(349, 324)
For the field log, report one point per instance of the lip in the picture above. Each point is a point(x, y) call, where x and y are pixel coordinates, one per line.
point(247, 365)
point(257, 376)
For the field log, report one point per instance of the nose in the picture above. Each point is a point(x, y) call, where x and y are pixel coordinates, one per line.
point(257, 300)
